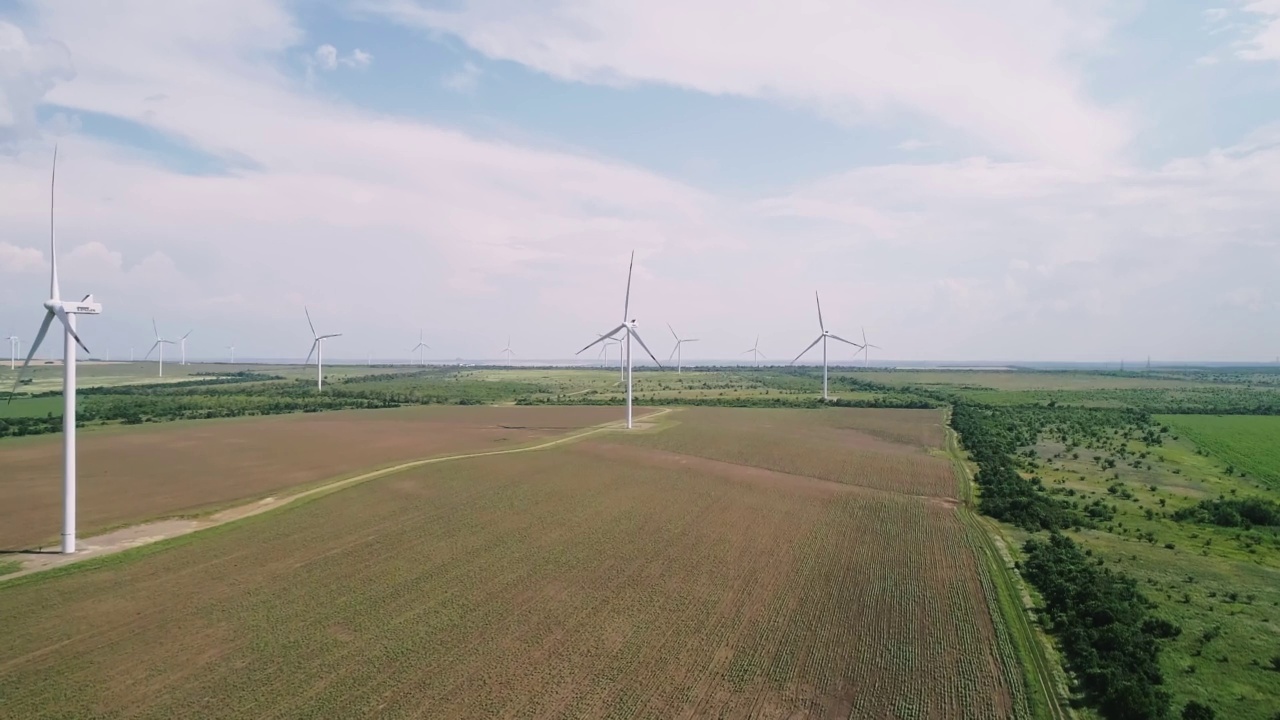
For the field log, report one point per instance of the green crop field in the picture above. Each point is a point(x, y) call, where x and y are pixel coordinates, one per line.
point(604, 578)
point(1250, 444)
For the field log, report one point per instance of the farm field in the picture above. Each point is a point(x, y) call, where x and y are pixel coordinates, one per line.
point(129, 474)
point(1249, 443)
point(1018, 380)
point(600, 578)
point(881, 449)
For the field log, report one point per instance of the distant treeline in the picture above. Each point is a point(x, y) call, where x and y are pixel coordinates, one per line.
point(775, 401)
point(1233, 513)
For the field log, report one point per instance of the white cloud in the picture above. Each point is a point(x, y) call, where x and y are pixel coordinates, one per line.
point(999, 71)
point(463, 80)
point(28, 69)
point(14, 259)
point(1263, 39)
point(326, 57)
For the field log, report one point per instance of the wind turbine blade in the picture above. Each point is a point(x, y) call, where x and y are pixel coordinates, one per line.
point(875, 346)
point(815, 299)
point(864, 337)
point(35, 345)
point(766, 357)
point(626, 305)
point(690, 340)
point(154, 345)
point(602, 338)
point(55, 292)
point(184, 337)
point(815, 342)
point(309, 323)
point(636, 335)
point(153, 327)
point(62, 315)
point(332, 335)
point(314, 343)
point(847, 342)
point(673, 332)
point(673, 351)
point(744, 352)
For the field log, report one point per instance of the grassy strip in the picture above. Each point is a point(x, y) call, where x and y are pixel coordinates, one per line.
point(1043, 699)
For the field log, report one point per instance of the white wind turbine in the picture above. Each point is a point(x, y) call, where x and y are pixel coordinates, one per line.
point(418, 349)
point(823, 339)
point(508, 351)
point(159, 343)
point(675, 351)
point(866, 349)
point(317, 348)
point(65, 312)
point(15, 347)
point(603, 357)
point(628, 328)
point(182, 342)
point(232, 348)
point(755, 352)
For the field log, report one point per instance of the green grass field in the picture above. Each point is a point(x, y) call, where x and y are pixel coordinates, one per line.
point(30, 407)
point(1250, 444)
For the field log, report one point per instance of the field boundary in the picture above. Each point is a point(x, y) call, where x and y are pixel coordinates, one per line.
point(171, 527)
point(1011, 597)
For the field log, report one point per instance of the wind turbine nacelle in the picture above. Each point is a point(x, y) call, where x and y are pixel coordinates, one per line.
point(81, 307)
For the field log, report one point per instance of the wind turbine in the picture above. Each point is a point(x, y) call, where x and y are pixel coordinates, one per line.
point(15, 347)
point(604, 351)
point(182, 341)
point(866, 349)
point(628, 328)
point(65, 312)
point(676, 350)
point(755, 352)
point(508, 351)
point(419, 347)
point(317, 348)
point(159, 343)
point(823, 339)
point(232, 348)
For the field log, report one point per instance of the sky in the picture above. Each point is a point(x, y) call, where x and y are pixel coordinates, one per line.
point(995, 180)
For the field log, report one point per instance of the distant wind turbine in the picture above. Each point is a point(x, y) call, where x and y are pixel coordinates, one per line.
point(508, 351)
point(159, 343)
point(628, 328)
point(823, 339)
point(317, 348)
point(866, 349)
point(675, 351)
point(419, 348)
point(603, 357)
point(755, 352)
point(232, 348)
point(66, 313)
point(15, 347)
point(182, 342)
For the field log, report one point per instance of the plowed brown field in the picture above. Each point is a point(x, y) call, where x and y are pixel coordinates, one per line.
point(602, 578)
point(137, 473)
point(882, 449)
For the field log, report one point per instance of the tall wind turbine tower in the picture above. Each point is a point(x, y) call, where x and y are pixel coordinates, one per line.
point(823, 339)
point(508, 351)
point(866, 349)
point(232, 348)
point(317, 348)
point(755, 352)
point(66, 313)
point(628, 328)
point(419, 349)
point(676, 350)
point(159, 343)
point(182, 342)
point(15, 347)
